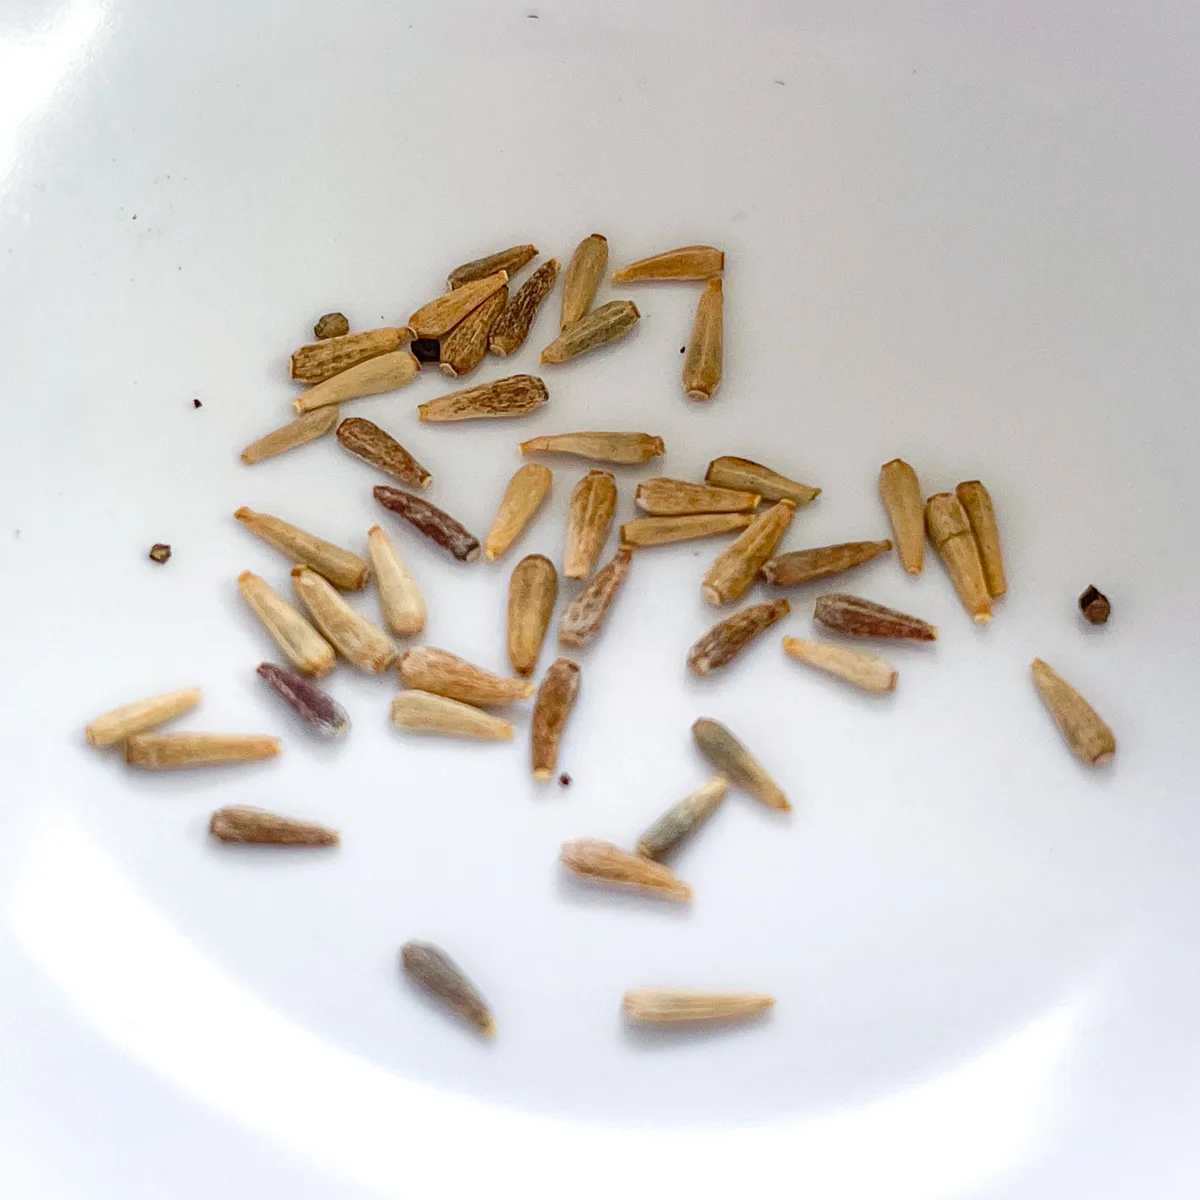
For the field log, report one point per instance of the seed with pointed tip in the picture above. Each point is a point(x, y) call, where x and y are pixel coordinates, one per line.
point(728, 638)
point(462, 349)
point(383, 373)
point(604, 863)
point(510, 331)
point(351, 634)
point(434, 970)
point(736, 763)
point(526, 490)
point(665, 531)
point(608, 323)
point(585, 615)
point(977, 504)
point(863, 670)
point(510, 260)
point(688, 262)
point(683, 819)
point(439, 316)
point(295, 433)
point(804, 566)
point(857, 617)
point(429, 669)
point(428, 519)
point(364, 439)
point(532, 591)
point(679, 498)
point(950, 533)
point(400, 598)
point(331, 356)
point(581, 277)
point(308, 701)
point(734, 570)
point(741, 473)
point(593, 502)
point(423, 712)
point(674, 1006)
point(115, 726)
point(623, 448)
point(303, 646)
point(241, 823)
point(900, 491)
point(343, 568)
point(515, 396)
point(1089, 737)
point(555, 698)
point(702, 363)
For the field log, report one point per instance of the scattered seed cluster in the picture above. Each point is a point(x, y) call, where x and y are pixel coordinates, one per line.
point(445, 695)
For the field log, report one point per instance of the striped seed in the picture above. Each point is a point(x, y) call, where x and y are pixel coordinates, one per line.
point(734, 569)
point(383, 373)
point(674, 1006)
point(1090, 739)
point(436, 525)
point(526, 490)
point(608, 323)
point(306, 700)
point(900, 491)
point(169, 751)
point(599, 446)
point(736, 763)
point(679, 498)
point(364, 439)
point(683, 819)
point(432, 968)
point(350, 633)
point(510, 260)
point(532, 592)
point(555, 698)
point(950, 533)
point(604, 863)
point(331, 356)
point(728, 638)
point(303, 646)
point(663, 531)
point(857, 617)
point(805, 566)
point(688, 262)
point(343, 568)
point(863, 670)
point(593, 502)
point(462, 349)
point(741, 473)
point(510, 331)
point(516, 396)
point(438, 317)
point(116, 725)
point(581, 278)
point(585, 615)
point(241, 823)
point(428, 669)
point(295, 433)
point(400, 599)
point(423, 712)
point(702, 362)
point(977, 504)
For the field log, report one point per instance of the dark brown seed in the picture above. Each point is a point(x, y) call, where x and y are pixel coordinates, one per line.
point(514, 396)
point(586, 614)
point(197, 404)
point(364, 439)
point(465, 345)
point(433, 969)
point(511, 330)
point(510, 260)
point(241, 823)
point(728, 638)
point(863, 618)
point(1094, 605)
point(308, 701)
point(332, 324)
point(555, 699)
point(436, 525)
point(160, 552)
point(564, 780)
point(805, 566)
point(426, 350)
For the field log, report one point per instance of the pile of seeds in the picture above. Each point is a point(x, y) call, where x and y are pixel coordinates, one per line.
point(445, 695)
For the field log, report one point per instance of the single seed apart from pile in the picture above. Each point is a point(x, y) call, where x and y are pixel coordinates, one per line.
point(728, 638)
point(384, 373)
point(510, 331)
point(438, 317)
point(526, 490)
point(400, 599)
point(604, 863)
point(436, 525)
point(585, 615)
point(900, 491)
point(428, 669)
point(120, 723)
point(593, 502)
point(736, 763)
point(734, 569)
point(608, 323)
point(702, 364)
point(950, 533)
point(331, 325)
point(351, 634)
point(167, 751)
point(977, 504)
point(462, 349)
point(679, 498)
point(423, 712)
point(687, 262)
point(532, 591)
point(662, 531)
point(308, 701)
point(750, 476)
point(857, 617)
point(323, 360)
point(683, 819)
point(510, 260)
point(1088, 736)
point(674, 1006)
point(1094, 605)
point(803, 566)
point(866, 671)
point(241, 823)
point(555, 699)
point(364, 439)
point(303, 646)
point(581, 277)
point(342, 568)
point(599, 446)
point(295, 433)
point(433, 969)
point(160, 552)
point(514, 396)
point(426, 350)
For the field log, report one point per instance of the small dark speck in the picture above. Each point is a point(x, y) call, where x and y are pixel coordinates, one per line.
point(780, 82)
point(197, 404)
point(564, 780)
point(682, 349)
point(135, 216)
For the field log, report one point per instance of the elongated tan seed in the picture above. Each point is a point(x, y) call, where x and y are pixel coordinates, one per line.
point(728, 638)
point(866, 671)
point(428, 669)
point(516, 396)
point(732, 472)
point(608, 323)
point(383, 373)
point(900, 491)
point(526, 490)
point(581, 277)
point(675, 1006)
point(1089, 737)
point(439, 316)
point(599, 446)
point(593, 502)
point(602, 862)
point(510, 260)
point(857, 617)
point(463, 348)
point(400, 598)
point(433, 969)
point(426, 518)
point(662, 531)
point(168, 751)
point(679, 498)
point(303, 646)
point(683, 819)
point(585, 615)
point(120, 723)
point(555, 698)
point(343, 568)
point(241, 823)
point(734, 569)
point(804, 566)
point(736, 763)
point(702, 362)
point(354, 637)
point(331, 356)
point(510, 331)
point(532, 591)
point(687, 262)
point(423, 712)
point(977, 504)
point(295, 433)
point(950, 533)
point(364, 439)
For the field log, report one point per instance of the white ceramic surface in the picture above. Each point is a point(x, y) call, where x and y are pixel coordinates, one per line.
point(963, 234)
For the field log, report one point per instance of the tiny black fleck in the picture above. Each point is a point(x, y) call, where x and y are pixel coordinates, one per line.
point(135, 216)
point(780, 82)
point(197, 404)
point(564, 780)
point(682, 349)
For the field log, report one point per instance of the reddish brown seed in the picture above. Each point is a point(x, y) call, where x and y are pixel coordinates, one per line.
point(805, 566)
point(510, 331)
point(306, 700)
point(462, 349)
point(516, 396)
point(728, 638)
point(160, 552)
point(364, 439)
point(555, 699)
point(436, 525)
point(433, 969)
point(852, 615)
point(1094, 605)
point(586, 614)
point(241, 823)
